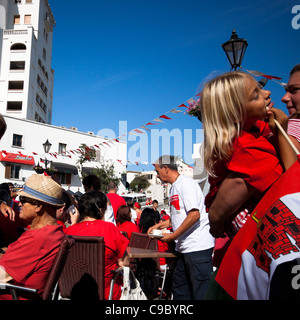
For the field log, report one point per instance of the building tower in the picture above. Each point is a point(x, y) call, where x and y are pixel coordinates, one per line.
point(26, 76)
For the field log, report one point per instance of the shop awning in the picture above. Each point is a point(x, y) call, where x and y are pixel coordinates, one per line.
point(16, 158)
point(65, 167)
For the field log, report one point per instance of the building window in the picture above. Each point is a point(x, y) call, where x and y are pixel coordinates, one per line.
point(42, 85)
point(64, 177)
point(18, 1)
point(17, 65)
point(17, 19)
point(62, 148)
point(18, 46)
point(44, 54)
point(15, 85)
point(27, 19)
point(17, 140)
point(41, 103)
point(14, 105)
point(12, 171)
point(28, 1)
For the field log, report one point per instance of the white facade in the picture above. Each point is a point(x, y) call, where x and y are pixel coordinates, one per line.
point(26, 76)
point(22, 148)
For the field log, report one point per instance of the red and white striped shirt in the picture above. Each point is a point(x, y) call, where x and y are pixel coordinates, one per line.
point(294, 128)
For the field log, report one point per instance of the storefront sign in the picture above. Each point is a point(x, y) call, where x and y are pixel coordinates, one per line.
point(17, 158)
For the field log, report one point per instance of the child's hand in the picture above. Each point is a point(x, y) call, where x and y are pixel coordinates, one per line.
point(280, 116)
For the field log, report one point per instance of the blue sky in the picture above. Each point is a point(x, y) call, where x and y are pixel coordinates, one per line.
point(135, 60)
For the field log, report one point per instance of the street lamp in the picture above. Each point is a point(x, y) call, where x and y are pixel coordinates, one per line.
point(235, 49)
point(47, 145)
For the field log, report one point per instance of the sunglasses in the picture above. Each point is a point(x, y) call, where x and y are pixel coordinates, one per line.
point(24, 200)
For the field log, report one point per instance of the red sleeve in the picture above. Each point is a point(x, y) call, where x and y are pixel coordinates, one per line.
point(121, 242)
point(255, 159)
point(16, 261)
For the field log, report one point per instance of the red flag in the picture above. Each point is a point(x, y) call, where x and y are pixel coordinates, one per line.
point(182, 106)
point(107, 144)
point(34, 153)
point(260, 262)
point(271, 77)
point(150, 124)
point(139, 131)
point(165, 117)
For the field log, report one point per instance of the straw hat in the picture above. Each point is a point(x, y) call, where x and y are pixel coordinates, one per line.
point(44, 189)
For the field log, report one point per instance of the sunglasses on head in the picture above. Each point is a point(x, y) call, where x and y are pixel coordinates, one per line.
point(24, 200)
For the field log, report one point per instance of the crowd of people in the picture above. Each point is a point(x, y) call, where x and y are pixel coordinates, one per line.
point(244, 155)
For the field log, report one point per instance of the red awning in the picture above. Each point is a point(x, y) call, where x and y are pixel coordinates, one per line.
point(16, 158)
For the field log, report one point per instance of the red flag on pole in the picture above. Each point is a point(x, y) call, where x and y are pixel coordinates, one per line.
point(262, 262)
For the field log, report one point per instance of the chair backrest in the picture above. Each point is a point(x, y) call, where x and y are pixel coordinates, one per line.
point(57, 268)
point(83, 274)
point(139, 240)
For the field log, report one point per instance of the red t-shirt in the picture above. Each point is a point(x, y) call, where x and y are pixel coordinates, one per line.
point(115, 247)
point(116, 201)
point(254, 159)
point(29, 260)
point(129, 227)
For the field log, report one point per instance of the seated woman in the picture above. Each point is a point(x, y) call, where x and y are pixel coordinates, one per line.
point(147, 220)
point(124, 221)
point(28, 261)
point(92, 206)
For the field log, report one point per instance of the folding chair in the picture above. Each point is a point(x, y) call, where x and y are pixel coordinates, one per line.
point(83, 275)
point(50, 291)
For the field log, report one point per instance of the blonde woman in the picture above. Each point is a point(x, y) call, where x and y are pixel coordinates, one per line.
point(239, 153)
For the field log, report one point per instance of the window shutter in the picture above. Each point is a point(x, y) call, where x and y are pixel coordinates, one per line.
point(68, 178)
point(7, 171)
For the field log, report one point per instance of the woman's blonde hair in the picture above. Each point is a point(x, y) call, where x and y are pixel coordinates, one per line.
point(222, 104)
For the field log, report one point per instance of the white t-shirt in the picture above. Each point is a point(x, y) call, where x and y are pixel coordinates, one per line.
point(133, 215)
point(185, 195)
point(109, 215)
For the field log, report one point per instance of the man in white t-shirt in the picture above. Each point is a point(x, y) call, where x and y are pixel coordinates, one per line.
point(189, 220)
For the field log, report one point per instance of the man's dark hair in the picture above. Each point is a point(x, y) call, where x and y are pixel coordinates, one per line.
point(111, 186)
point(295, 69)
point(92, 181)
point(168, 161)
point(154, 201)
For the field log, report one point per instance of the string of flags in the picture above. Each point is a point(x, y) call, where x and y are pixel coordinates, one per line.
point(183, 107)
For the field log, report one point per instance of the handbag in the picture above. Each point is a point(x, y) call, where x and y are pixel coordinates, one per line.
point(128, 293)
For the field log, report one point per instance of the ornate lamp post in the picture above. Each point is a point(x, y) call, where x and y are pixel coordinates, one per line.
point(235, 49)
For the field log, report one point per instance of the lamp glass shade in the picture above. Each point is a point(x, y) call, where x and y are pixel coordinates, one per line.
point(47, 145)
point(235, 50)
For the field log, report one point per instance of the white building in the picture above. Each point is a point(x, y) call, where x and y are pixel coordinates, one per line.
point(26, 95)
point(158, 190)
point(26, 76)
point(22, 149)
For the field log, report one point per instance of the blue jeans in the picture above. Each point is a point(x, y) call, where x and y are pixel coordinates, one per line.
point(191, 275)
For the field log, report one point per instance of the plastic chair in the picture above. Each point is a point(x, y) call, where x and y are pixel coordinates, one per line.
point(50, 291)
point(83, 275)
